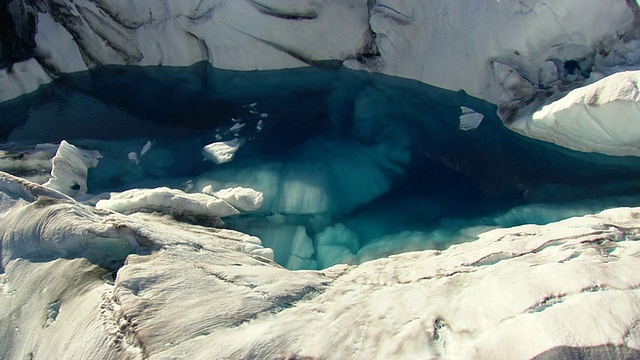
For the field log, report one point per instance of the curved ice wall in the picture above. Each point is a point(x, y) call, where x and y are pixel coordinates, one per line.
point(454, 45)
point(520, 55)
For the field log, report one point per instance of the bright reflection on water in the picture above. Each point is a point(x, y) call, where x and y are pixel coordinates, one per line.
point(353, 165)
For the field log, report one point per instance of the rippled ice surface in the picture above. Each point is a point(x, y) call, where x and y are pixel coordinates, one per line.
point(353, 166)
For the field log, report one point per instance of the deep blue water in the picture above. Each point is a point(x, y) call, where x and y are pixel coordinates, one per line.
point(324, 121)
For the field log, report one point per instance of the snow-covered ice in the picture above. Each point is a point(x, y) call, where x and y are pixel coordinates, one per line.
point(454, 44)
point(22, 78)
point(169, 201)
point(334, 186)
point(416, 40)
point(222, 151)
point(193, 292)
point(603, 117)
point(469, 119)
point(33, 164)
point(242, 198)
point(70, 169)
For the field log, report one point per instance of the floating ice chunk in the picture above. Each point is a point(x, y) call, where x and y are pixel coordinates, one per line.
point(168, 201)
point(133, 158)
point(146, 148)
point(469, 119)
point(242, 198)
point(70, 169)
point(222, 151)
point(237, 127)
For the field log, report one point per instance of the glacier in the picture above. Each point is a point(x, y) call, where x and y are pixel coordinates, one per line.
point(320, 150)
point(600, 117)
point(463, 302)
point(319, 179)
point(548, 51)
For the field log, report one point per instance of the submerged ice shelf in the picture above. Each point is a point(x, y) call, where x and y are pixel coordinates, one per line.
point(352, 166)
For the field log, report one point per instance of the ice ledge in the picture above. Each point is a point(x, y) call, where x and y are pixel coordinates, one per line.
point(575, 284)
point(602, 117)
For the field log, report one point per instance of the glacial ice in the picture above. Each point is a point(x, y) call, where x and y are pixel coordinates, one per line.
point(170, 201)
point(318, 179)
point(33, 164)
point(23, 78)
point(242, 198)
point(336, 245)
point(400, 205)
point(601, 117)
point(291, 245)
point(417, 40)
point(70, 168)
point(26, 232)
point(559, 281)
point(58, 263)
point(469, 119)
point(56, 46)
point(394, 37)
point(221, 152)
point(347, 163)
point(536, 60)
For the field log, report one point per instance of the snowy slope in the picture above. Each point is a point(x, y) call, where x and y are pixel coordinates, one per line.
point(510, 53)
point(239, 35)
point(452, 44)
point(455, 44)
point(199, 293)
